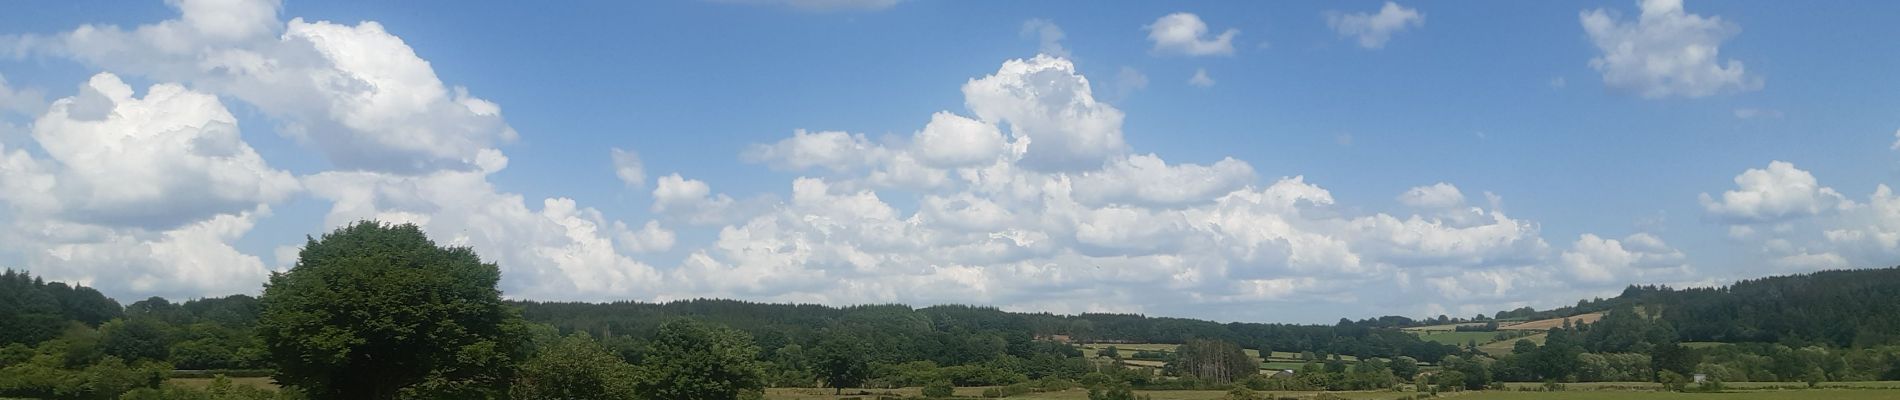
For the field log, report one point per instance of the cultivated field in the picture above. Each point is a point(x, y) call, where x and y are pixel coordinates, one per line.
point(1546, 324)
point(1457, 338)
point(1441, 328)
point(1502, 347)
point(1277, 360)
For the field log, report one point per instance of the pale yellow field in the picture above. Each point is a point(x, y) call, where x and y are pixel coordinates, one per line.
point(1546, 324)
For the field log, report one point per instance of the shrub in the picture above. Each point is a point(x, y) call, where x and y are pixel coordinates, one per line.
point(1053, 384)
point(1241, 393)
point(939, 389)
point(1672, 381)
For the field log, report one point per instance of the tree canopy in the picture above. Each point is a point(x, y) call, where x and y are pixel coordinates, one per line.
point(376, 311)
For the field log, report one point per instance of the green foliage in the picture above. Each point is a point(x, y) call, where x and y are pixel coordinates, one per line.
point(1111, 352)
point(574, 368)
point(376, 311)
point(1241, 393)
point(841, 361)
point(1404, 367)
point(1112, 391)
point(1213, 361)
point(137, 339)
point(220, 388)
point(957, 335)
point(939, 389)
point(1672, 380)
point(1448, 380)
point(45, 375)
point(34, 311)
point(691, 360)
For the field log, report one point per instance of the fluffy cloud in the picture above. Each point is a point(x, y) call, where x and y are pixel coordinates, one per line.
point(691, 200)
point(838, 151)
point(139, 195)
point(164, 160)
point(191, 260)
point(1799, 225)
point(628, 168)
point(1147, 180)
point(1184, 33)
point(357, 92)
point(1779, 192)
point(1029, 198)
point(1200, 78)
point(1046, 103)
point(1665, 52)
point(951, 140)
point(1373, 30)
point(650, 238)
point(560, 251)
point(1637, 258)
point(1437, 196)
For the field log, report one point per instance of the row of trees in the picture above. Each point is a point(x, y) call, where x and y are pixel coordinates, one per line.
point(954, 335)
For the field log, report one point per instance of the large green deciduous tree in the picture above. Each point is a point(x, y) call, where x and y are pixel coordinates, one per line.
point(690, 360)
point(843, 360)
point(375, 311)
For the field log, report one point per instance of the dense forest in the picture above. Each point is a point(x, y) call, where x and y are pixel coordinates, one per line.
point(63, 341)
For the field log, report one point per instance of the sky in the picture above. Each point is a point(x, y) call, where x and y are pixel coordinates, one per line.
point(1235, 161)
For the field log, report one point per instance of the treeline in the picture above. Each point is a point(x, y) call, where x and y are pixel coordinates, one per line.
point(1850, 308)
point(33, 310)
point(60, 341)
point(955, 334)
point(1627, 345)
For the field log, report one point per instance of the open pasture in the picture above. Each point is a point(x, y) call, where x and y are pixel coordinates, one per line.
point(1457, 338)
point(1546, 324)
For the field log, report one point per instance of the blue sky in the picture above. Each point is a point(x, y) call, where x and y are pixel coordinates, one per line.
point(1340, 158)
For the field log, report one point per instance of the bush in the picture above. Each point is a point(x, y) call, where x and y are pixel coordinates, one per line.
point(1672, 381)
point(939, 389)
point(1241, 393)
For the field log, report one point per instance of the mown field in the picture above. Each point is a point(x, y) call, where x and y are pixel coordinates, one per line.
point(1457, 338)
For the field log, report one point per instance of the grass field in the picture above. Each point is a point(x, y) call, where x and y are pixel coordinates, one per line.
point(1546, 324)
point(1441, 328)
point(1457, 338)
point(1502, 347)
point(1129, 348)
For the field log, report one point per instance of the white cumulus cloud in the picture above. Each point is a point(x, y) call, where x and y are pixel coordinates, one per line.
point(1185, 33)
point(1374, 30)
point(1773, 194)
point(1665, 52)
